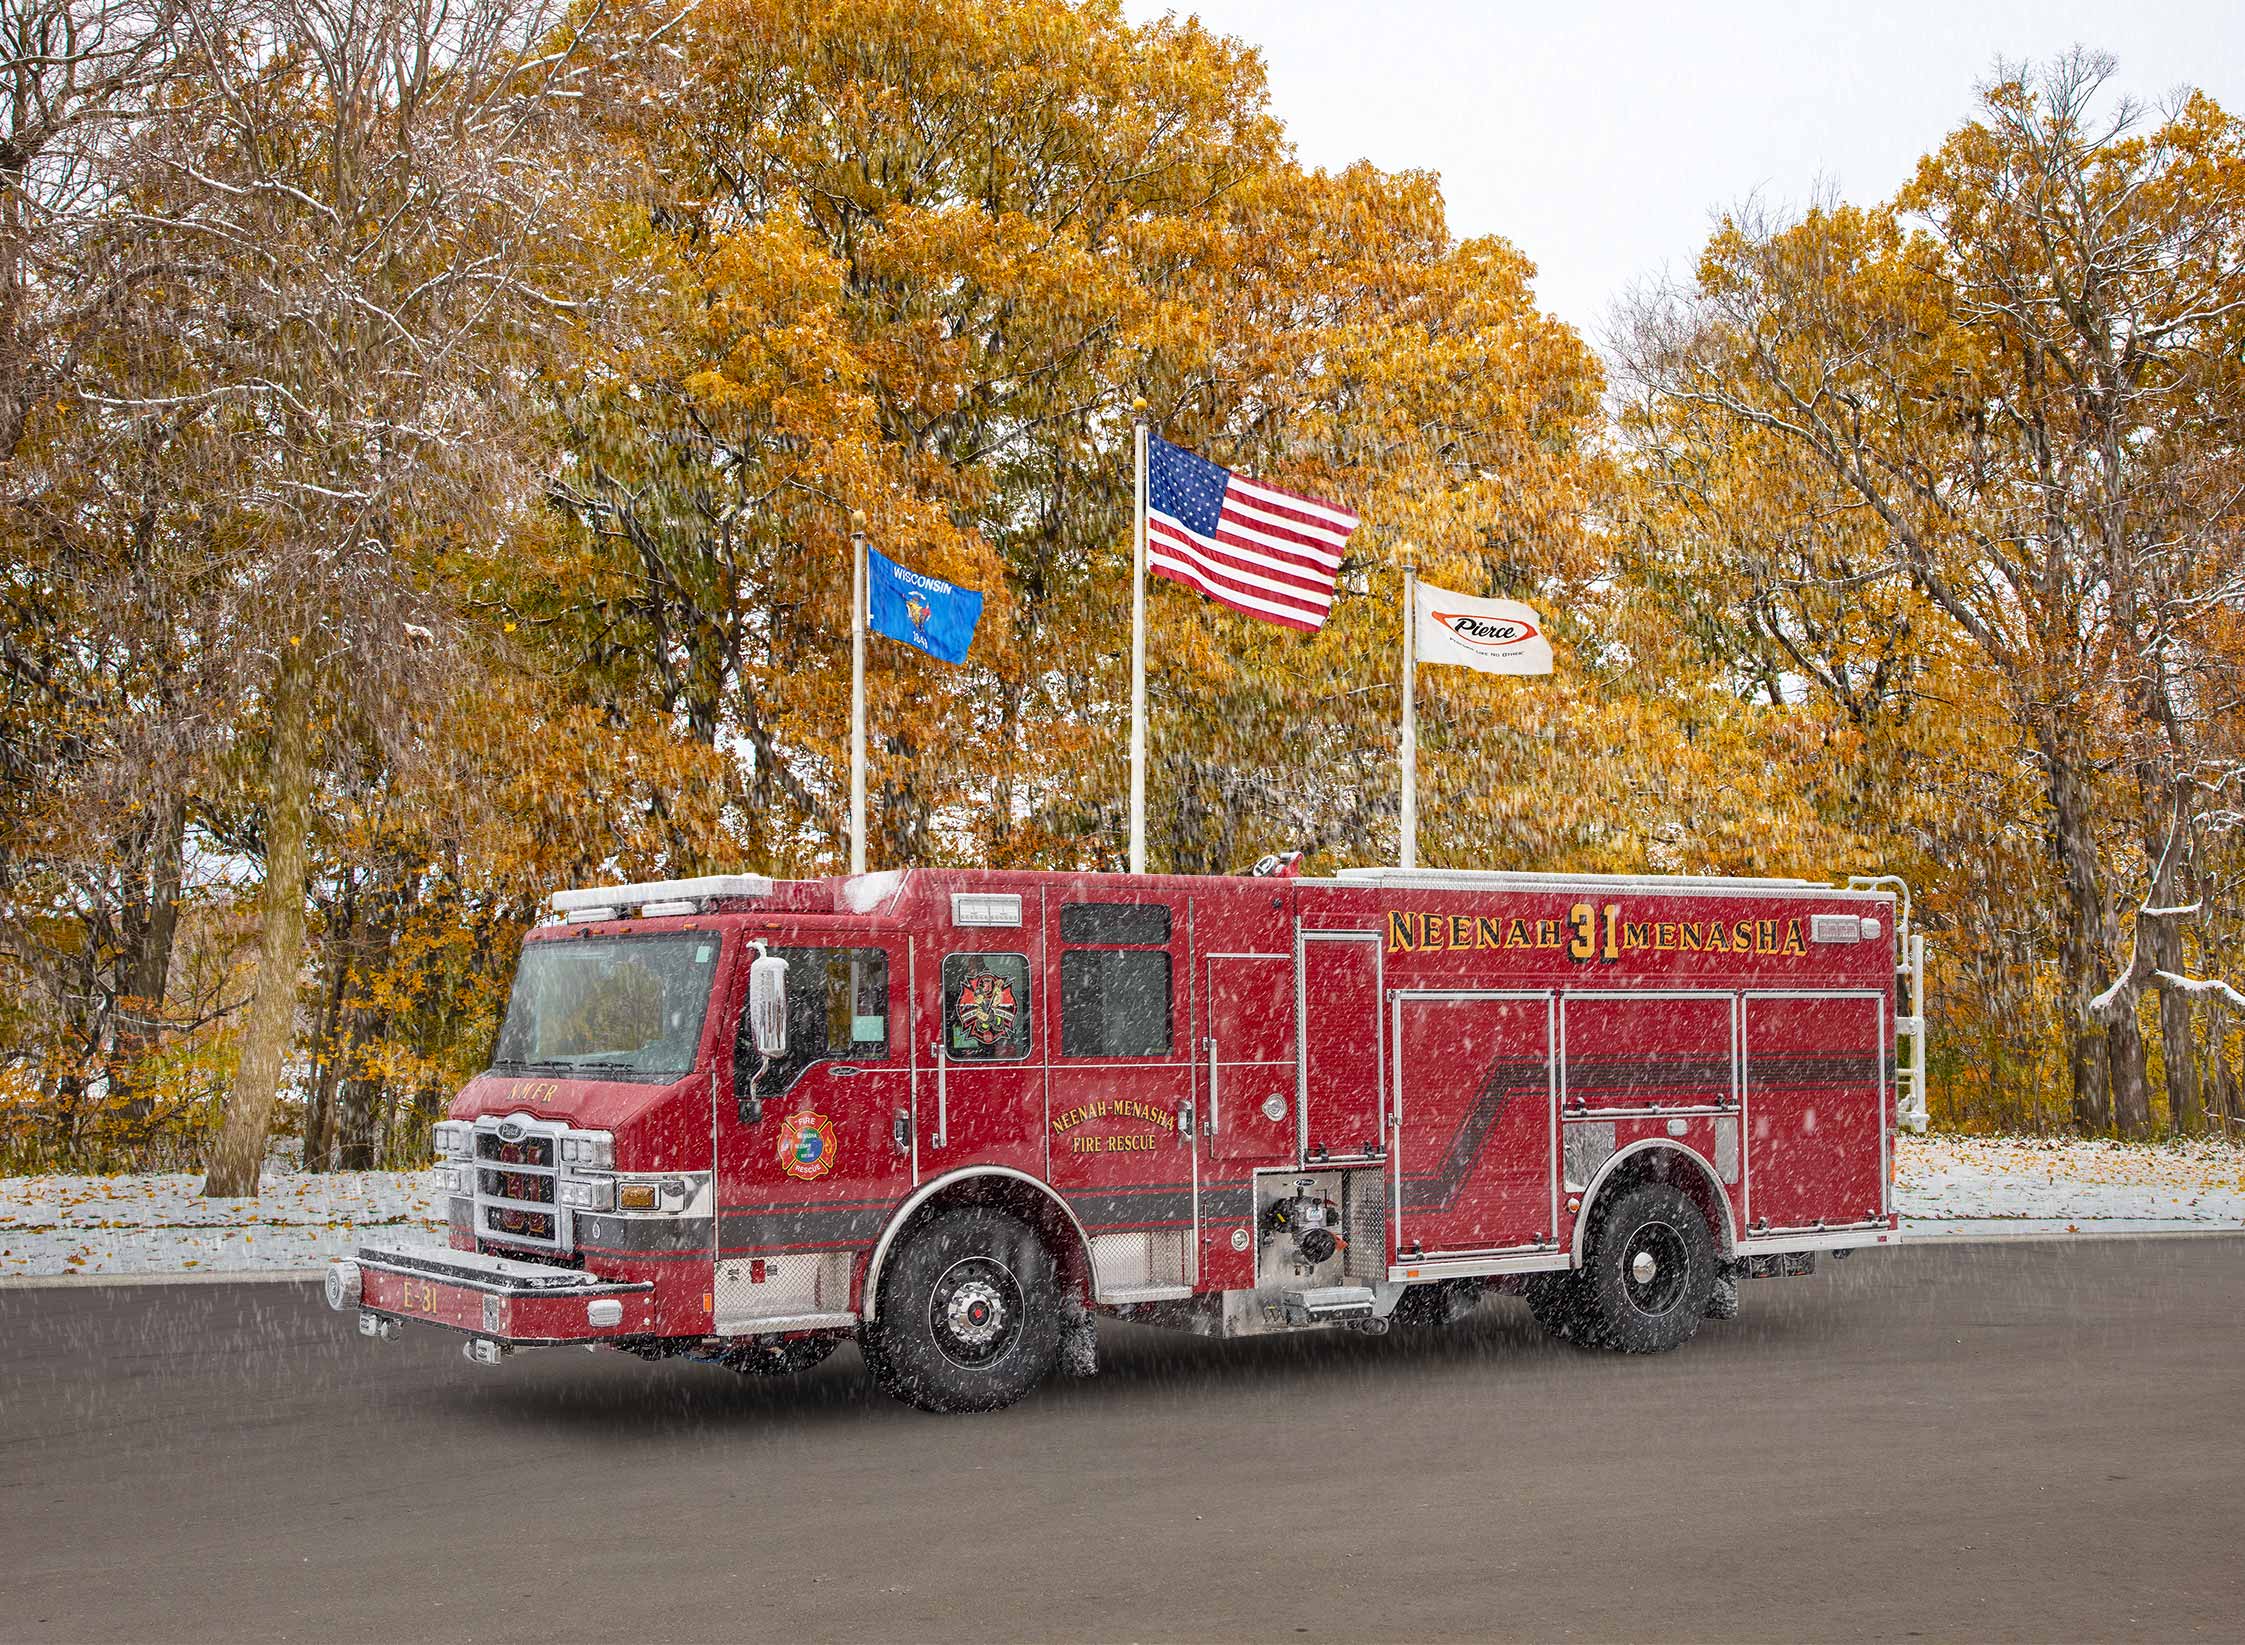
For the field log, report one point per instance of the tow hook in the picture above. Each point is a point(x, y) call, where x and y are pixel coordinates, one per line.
point(483, 1351)
point(379, 1328)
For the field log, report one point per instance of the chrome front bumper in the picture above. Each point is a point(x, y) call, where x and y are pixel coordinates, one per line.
point(495, 1298)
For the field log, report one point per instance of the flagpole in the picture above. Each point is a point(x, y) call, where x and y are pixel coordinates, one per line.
point(857, 692)
point(1138, 648)
point(1410, 828)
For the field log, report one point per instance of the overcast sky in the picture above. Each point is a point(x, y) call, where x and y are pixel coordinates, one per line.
point(1598, 136)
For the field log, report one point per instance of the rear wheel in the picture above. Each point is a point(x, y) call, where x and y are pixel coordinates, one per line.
point(1561, 1306)
point(969, 1316)
point(762, 1357)
point(1649, 1273)
point(1428, 1307)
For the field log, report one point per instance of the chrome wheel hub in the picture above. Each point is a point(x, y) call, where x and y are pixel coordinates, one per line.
point(976, 1313)
point(1656, 1272)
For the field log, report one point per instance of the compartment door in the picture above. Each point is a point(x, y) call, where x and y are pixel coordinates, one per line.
point(1251, 1084)
point(1343, 1083)
point(1476, 1127)
point(1815, 1112)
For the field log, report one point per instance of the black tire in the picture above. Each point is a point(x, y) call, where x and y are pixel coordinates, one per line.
point(1649, 1272)
point(762, 1357)
point(969, 1316)
point(1430, 1307)
point(1561, 1307)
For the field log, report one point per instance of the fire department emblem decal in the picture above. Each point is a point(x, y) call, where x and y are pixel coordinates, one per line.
point(806, 1146)
point(985, 1008)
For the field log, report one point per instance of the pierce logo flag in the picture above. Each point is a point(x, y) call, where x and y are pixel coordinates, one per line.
point(1494, 636)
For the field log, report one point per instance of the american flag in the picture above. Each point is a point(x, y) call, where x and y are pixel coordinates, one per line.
point(1268, 553)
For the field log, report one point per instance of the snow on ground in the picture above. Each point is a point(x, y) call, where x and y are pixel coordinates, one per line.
point(1980, 1186)
point(161, 1224)
point(1945, 1187)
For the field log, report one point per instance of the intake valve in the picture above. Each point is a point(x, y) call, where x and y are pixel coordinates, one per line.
point(1307, 1219)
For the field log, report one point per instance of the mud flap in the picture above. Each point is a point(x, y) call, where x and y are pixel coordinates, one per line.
point(1079, 1342)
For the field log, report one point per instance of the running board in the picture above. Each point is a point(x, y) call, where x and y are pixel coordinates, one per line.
point(773, 1324)
point(1122, 1296)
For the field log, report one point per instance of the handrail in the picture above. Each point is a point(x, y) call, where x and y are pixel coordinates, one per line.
point(1911, 1112)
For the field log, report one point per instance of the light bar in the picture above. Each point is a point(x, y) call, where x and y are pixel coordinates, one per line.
point(680, 896)
point(985, 908)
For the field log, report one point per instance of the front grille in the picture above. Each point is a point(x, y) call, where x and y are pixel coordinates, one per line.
point(514, 1186)
point(529, 1151)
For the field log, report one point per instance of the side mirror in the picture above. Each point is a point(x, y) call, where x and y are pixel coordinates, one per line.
point(767, 1005)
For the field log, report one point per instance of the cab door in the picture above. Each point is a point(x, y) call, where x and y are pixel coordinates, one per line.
point(810, 1154)
point(980, 979)
point(1120, 1135)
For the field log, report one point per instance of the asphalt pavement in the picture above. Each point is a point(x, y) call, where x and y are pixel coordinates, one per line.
point(1997, 1442)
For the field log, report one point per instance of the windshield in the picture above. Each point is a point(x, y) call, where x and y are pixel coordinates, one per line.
point(615, 1007)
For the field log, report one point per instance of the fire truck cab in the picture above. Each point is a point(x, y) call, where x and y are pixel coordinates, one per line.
point(954, 1115)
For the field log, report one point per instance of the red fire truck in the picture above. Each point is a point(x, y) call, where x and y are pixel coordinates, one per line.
point(956, 1115)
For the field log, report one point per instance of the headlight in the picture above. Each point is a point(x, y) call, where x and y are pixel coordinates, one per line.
point(588, 1193)
point(449, 1140)
point(596, 1150)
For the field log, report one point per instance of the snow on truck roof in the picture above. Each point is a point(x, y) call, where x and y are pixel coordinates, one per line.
point(657, 897)
point(866, 893)
point(1479, 879)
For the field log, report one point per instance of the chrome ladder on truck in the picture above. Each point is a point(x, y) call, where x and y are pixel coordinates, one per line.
point(1909, 1025)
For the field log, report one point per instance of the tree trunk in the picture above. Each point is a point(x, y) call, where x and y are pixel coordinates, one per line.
point(2186, 1105)
point(2225, 1087)
point(2131, 1078)
point(319, 1108)
point(2092, 1089)
point(2186, 1110)
point(2081, 949)
point(240, 1153)
point(146, 977)
point(358, 1115)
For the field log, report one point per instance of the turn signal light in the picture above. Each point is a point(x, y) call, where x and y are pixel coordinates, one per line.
point(636, 1196)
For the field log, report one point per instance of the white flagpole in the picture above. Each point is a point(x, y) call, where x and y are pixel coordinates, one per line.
point(1410, 829)
point(1138, 651)
point(857, 692)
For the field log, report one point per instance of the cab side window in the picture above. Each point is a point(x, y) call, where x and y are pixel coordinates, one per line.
point(837, 1008)
point(986, 1012)
point(1115, 997)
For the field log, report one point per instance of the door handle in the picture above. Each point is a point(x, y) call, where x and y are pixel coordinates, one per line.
point(942, 1103)
point(1215, 1114)
point(1184, 1125)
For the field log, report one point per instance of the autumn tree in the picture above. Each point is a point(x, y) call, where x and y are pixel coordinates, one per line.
point(345, 212)
point(2022, 368)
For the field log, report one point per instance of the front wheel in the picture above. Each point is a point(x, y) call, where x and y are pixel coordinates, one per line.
point(1649, 1274)
point(970, 1314)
